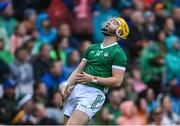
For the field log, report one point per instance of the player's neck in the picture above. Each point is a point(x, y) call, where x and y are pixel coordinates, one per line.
point(109, 40)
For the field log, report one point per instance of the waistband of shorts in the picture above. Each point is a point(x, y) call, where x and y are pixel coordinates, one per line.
point(99, 87)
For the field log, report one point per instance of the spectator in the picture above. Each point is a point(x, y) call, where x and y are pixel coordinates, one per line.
point(7, 21)
point(22, 72)
point(60, 49)
point(151, 102)
point(54, 77)
point(168, 117)
point(83, 16)
point(4, 36)
point(104, 11)
point(24, 114)
point(129, 89)
point(169, 26)
point(155, 117)
point(73, 60)
point(137, 35)
point(30, 20)
point(62, 14)
point(160, 14)
point(28, 44)
point(4, 71)
point(46, 32)
point(41, 116)
point(172, 70)
point(111, 111)
point(17, 38)
point(141, 105)
point(126, 11)
point(64, 31)
point(176, 18)
point(152, 61)
point(150, 27)
point(8, 102)
point(128, 114)
point(40, 93)
point(53, 110)
point(136, 82)
point(5, 55)
point(42, 62)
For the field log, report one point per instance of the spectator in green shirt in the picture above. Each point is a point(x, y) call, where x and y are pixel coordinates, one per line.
point(5, 55)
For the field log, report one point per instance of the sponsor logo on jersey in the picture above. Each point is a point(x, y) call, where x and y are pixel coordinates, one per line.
point(106, 54)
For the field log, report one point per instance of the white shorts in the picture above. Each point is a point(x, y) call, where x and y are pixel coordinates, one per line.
point(86, 99)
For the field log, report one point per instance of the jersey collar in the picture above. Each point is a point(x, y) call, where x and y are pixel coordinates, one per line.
point(102, 47)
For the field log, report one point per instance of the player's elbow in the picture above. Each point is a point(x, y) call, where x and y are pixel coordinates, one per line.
point(117, 83)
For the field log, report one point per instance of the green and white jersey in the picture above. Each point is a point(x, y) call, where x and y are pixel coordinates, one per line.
point(101, 60)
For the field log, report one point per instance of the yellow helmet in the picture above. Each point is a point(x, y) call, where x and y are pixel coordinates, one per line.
point(116, 26)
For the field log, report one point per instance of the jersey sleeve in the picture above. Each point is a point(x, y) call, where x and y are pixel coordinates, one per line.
point(85, 55)
point(120, 60)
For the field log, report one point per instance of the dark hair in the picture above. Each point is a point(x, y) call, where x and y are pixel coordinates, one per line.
point(42, 46)
point(56, 47)
point(36, 85)
point(18, 50)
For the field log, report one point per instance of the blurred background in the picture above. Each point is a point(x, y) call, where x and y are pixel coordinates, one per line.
point(42, 42)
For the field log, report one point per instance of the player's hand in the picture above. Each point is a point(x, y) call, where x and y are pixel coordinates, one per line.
point(66, 90)
point(83, 78)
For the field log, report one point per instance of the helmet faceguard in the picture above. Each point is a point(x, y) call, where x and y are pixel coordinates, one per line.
point(115, 27)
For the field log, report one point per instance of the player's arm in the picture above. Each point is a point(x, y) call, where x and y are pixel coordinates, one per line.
point(72, 78)
point(119, 64)
point(114, 81)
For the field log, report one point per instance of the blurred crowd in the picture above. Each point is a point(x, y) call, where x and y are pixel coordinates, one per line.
point(42, 42)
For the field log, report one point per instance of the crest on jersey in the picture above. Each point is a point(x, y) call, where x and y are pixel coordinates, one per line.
point(106, 54)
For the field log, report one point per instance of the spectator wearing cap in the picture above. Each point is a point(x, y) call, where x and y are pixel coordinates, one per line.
point(46, 32)
point(8, 102)
point(5, 55)
point(103, 12)
point(7, 21)
point(24, 113)
point(22, 72)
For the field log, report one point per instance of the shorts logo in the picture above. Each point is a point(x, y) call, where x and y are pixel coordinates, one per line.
point(106, 54)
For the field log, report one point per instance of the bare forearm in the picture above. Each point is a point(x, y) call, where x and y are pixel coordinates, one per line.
point(72, 78)
point(109, 82)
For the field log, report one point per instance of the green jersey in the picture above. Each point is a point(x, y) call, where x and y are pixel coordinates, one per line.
point(101, 60)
